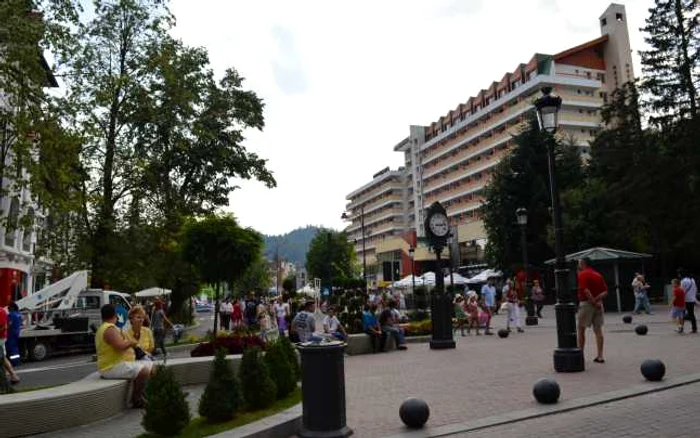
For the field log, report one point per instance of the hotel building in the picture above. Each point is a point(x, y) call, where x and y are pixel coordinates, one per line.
point(452, 159)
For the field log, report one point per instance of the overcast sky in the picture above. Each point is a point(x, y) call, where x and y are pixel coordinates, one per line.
point(343, 80)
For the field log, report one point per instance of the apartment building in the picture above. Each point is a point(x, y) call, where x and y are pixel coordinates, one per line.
point(378, 211)
point(452, 159)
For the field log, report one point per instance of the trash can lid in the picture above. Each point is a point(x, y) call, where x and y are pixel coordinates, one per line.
point(321, 344)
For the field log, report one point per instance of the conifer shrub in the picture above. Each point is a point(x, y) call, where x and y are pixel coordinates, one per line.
point(280, 369)
point(222, 397)
point(259, 390)
point(291, 353)
point(167, 411)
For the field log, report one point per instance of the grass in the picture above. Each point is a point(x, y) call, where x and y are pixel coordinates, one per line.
point(200, 428)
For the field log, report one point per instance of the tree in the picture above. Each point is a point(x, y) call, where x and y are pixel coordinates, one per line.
point(222, 396)
point(106, 74)
point(28, 129)
point(289, 285)
point(281, 369)
point(167, 410)
point(219, 250)
point(522, 180)
point(672, 64)
point(330, 256)
point(255, 278)
point(259, 390)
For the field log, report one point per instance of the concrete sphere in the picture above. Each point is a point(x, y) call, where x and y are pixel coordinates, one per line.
point(546, 391)
point(653, 370)
point(503, 333)
point(641, 329)
point(627, 319)
point(414, 412)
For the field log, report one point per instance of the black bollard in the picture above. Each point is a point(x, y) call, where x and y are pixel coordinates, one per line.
point(323, 390)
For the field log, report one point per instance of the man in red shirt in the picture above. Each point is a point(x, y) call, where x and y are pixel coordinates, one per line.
point(591, 292)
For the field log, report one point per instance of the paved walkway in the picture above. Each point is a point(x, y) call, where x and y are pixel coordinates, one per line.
point(671, 413)
point(486, 376)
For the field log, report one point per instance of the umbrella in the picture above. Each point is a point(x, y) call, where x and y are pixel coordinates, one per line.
point(458, 279)
point(153, 292)
point(483, 276)
point(429, 279)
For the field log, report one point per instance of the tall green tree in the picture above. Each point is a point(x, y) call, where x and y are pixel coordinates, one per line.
point(522, 180)
point(672, 63)
point(255, 278)
point(330, 256)
point(28, 131)
point(220, 250)
point(105, 77)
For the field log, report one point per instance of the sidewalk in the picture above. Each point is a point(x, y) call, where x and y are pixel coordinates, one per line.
point(486, 376)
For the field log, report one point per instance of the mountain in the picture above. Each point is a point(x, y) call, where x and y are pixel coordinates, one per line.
point(292, 246)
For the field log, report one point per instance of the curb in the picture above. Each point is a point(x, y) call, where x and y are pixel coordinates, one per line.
point(545, 410)
point(281, 425)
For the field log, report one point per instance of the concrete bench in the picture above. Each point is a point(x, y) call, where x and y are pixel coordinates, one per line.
point(86, 401)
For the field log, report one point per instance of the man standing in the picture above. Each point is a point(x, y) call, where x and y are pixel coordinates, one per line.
point(304, 324)
point(691, 290)
point(591, 292)
point(488, 297)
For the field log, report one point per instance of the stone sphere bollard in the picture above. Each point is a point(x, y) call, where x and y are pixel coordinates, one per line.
point(503, 333)
point(627, 319)
point(653, 370)
point(641, 329)
point(546, 391)
point(414, 412)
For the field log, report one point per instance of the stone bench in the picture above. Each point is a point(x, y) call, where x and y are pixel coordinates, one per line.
point(359, 343)
point(86, 401)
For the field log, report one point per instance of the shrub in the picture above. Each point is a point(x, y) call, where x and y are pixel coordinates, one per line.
point(259, 389)
point(280, 369)
point(290, 353)
point(222, 396)
point(167, 410)
point(233, 344)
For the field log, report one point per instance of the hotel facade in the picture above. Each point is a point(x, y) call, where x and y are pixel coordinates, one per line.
point(451, 160)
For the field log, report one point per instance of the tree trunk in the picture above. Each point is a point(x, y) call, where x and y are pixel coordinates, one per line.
point(216, 314)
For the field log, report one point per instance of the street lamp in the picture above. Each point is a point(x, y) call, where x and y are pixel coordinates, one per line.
point(521, 216)
point(411, 254)
point(568, 357)
point(345, 216)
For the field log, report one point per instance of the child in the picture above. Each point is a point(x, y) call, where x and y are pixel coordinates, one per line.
point(678, 304)
point(473, 312)
point(513, 308)
point(459, 313)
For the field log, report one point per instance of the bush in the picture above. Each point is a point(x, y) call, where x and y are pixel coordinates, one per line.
point(233, 344)
point(167, 410)
point(222, 396)
point(290, 353)
point(259, 390)
point(280, 369)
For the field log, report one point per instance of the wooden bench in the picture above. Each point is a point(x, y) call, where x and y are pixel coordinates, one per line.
point(86, 401)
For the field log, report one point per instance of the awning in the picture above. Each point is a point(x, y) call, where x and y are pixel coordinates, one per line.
point(602, 254)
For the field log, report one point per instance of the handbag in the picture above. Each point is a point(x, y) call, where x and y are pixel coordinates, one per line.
point(504, 307)
point(140, 354)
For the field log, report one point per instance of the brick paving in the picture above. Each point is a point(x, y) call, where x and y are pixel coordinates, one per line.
point(486, 376)
point(671, 413)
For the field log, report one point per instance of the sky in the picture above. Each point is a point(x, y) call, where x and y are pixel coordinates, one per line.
point(343, 80)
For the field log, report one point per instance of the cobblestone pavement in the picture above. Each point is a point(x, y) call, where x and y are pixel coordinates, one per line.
point(671, 413)
point(486, 376)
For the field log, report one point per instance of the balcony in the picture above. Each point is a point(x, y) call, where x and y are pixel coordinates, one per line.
point(482, 164)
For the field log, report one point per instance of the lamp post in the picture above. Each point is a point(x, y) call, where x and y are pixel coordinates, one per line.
point(412, 254)
point(521, 216)
point(345, 216)
point(568, 357)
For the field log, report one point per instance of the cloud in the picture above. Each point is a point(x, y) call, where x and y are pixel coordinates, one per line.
point(286, 67)
point(456, 8)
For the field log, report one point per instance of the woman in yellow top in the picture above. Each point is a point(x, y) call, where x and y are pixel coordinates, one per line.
point(116, 358)
point(137, 332)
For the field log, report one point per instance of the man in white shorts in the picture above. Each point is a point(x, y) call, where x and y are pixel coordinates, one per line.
point(116, 358)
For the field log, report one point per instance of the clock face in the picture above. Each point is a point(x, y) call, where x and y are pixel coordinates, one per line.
point(439, 225)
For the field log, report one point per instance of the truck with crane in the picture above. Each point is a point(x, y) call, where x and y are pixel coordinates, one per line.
point(65, 315)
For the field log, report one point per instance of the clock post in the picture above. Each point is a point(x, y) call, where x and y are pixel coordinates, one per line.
point(437, 229)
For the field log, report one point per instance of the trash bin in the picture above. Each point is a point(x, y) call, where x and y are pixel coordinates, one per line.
point(323, 390)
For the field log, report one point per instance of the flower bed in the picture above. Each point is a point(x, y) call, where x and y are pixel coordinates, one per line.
point(233, 343)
